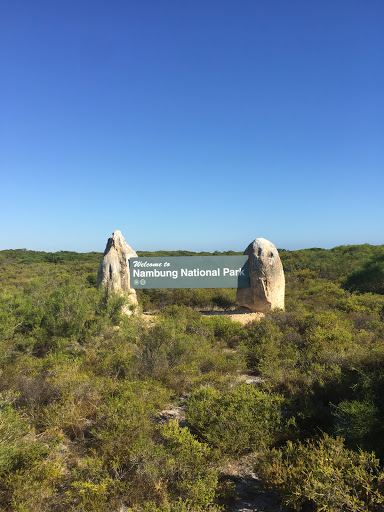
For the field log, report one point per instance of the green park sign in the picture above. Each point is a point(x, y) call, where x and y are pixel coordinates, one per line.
point(189, 272)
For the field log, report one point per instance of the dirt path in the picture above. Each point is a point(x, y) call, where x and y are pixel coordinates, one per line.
point(241, 315)
point(252, 497)
point(237, 315)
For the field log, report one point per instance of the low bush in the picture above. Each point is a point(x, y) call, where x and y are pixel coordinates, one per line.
point(323, 475)
point(370, 278)
point(197, 298)
point(178, 466)
point(237, 421)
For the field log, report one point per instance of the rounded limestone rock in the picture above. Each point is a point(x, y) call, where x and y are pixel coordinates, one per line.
point(266, 276)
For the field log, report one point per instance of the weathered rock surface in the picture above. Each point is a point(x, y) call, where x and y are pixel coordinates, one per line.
point(266, 275)
point(113, 271)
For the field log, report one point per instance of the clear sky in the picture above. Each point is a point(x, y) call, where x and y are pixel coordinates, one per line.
point(196, 125)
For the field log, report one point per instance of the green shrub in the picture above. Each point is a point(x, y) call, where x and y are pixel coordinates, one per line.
point(45, 313)
point(235, 422)
point(193, 479)
point(274, 353)
point(324, 475)
point(178, 466)
point(13, 429)
point(126, 415)
point(198, 298)
point(223, 328)
point(36, 489)
point(370, 278)
point(356, 420)
point(176, 506)
point(162, 346)
point(93, 489)
point(181, 351)
point(31, 467)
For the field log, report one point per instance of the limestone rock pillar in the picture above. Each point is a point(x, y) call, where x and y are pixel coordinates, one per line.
point(266, 275)
point(113, 271)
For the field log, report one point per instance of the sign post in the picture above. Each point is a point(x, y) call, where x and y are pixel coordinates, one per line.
point(189, 272)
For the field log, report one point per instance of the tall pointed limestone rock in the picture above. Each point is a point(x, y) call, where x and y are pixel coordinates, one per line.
point(113, 271)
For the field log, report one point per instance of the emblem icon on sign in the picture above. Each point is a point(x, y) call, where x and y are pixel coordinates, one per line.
point(136, 282)
point(142, 282)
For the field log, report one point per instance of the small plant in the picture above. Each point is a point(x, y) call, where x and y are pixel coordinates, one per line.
point(237, 421)
point(324, 475)
point(356, 420)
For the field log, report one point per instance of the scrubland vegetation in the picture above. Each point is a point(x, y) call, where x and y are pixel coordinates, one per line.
point(82, 388)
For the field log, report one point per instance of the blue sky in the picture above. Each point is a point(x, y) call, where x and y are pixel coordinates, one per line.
point(191, 125)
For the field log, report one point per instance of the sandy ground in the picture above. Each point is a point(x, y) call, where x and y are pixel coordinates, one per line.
point(242, 315)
